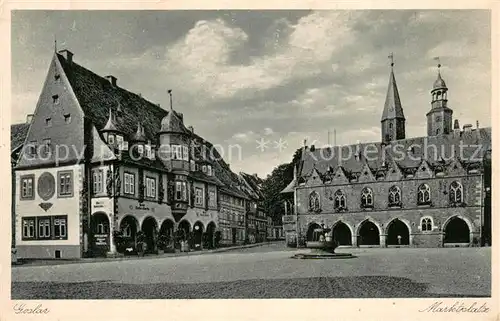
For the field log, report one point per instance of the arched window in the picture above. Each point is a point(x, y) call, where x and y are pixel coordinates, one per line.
point(424, 195)
point(456, 195)
point(394, 196)
point(314, 203)
point(426, 224)
point(367, 197)
point(340, 200)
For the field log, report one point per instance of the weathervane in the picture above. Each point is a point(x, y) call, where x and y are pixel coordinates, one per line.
point(391, 56)
point(438, 61)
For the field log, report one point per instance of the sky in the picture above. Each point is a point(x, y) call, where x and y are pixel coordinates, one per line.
point(259, 83)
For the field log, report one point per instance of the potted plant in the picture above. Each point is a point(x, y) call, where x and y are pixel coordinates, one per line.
point(162, 243)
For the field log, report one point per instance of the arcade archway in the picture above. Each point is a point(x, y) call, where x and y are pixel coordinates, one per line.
point(310, 231)
point(456, 231)
point(150, 227)
point(342, 234)
point(210, 235)
point(368, 234)
point(398, 233)
point(128, 228)
point(198, 235)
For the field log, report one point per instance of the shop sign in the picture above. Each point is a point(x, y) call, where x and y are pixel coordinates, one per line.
point(101, 239)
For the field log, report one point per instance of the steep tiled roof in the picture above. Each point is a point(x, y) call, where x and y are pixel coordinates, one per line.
point(18, 134)
point(97, 95)
point(407, 153)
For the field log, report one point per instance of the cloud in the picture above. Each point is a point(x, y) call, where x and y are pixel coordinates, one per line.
point(202, 59)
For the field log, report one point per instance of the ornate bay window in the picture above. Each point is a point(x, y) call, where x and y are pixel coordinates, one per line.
point(181, 191)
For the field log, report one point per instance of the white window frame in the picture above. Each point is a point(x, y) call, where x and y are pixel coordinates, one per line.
point(181, 191)
point(198, 196)
point(129, 183)
point(27, 183)
point(65, 184)
point(61, 222)
point(43, 225)
point(28, 228)
point(98, 179)
point(209, 170)
point(185, 153)
point(424, 222)
point(150, 187)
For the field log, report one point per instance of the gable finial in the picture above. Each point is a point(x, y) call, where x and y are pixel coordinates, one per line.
point(55, 43)
point(170, 93)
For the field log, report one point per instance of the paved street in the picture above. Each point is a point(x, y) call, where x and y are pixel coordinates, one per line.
point(266, 272)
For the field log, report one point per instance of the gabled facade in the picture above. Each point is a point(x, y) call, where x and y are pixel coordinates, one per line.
point(99, 166)
point(429, 191)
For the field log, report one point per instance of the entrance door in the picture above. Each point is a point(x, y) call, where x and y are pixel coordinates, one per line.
point(100, 232)
point(149, 228)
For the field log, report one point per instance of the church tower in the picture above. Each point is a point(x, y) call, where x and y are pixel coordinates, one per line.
point(393, 118)
point(439, 118)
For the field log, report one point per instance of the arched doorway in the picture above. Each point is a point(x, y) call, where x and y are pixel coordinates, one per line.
point(398, 228)
point(167, 228)
point(310, 230)
point(456, 231)
point(128, 228)
point(210, 235)
point(368, 234)
point(183, 231)
point(342, 234)
point(197, 236)
point(100, 232)
point(149, 227)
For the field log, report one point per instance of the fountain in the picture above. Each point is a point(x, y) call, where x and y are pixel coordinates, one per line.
point(322, 246)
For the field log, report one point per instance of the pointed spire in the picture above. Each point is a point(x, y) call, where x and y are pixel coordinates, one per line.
point(392, 106)
point(139, 135)
point(439, 83)
point(111, 124)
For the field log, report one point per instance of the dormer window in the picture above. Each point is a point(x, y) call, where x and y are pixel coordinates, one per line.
point(204, 168)
point(48, 122)
point(67, 118)
point(55, 99)
point(111, 139)
point(57, 77)
point(140, 149)
point(209, 170)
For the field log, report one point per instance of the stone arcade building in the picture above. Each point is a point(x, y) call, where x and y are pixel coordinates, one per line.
point(429, 191)
point(99, 160)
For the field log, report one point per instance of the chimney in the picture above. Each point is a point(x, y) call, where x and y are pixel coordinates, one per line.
point(112, 80)
point(467, 128)
point(68, 55)
point(29, 118)
point(191, 129)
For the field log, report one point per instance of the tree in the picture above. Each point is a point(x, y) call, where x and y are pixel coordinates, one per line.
point(280, 177)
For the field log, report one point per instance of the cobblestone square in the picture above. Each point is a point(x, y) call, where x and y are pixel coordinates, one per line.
point(266, 272)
